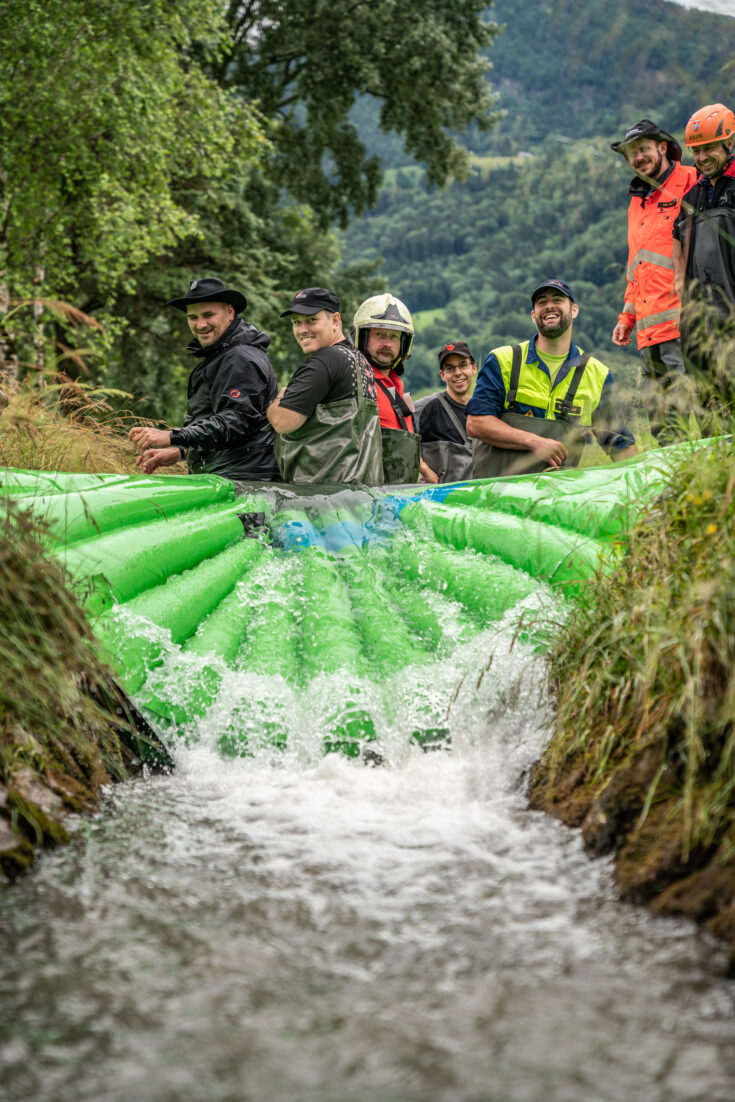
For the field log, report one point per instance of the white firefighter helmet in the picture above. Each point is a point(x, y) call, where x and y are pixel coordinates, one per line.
point(384, 312)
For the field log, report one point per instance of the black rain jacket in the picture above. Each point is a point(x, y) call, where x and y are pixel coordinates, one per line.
point(226, 430)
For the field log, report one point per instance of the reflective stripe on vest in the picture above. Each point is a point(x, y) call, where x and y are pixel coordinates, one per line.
point(646, 256)
point(656, 319)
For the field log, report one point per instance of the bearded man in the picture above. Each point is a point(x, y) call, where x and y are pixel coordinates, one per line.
point(537, 403)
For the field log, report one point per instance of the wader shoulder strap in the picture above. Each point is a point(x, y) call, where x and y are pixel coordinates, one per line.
point(688, 227)
point(454, 419)
point(567, 401)
point(400, 408)
point(515, 376)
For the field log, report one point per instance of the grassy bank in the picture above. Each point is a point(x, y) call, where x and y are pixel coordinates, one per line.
point(642, 756)
point(65, 729)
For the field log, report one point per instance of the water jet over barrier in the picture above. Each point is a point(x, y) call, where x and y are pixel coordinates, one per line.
point(240, 620)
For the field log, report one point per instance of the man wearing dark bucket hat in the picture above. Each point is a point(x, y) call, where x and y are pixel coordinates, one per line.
point(446, 450)
point(327, 417)
point(226, 431)
point(651, 302)
point(536, 403)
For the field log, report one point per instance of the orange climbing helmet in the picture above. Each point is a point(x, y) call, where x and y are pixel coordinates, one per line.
point(714, 123)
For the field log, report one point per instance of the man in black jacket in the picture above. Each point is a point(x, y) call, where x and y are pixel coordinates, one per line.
point(226, 431)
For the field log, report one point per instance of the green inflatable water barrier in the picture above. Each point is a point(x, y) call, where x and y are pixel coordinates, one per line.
point(240, 621)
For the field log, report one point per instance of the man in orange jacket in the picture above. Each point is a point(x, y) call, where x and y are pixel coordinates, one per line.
point(651, 302)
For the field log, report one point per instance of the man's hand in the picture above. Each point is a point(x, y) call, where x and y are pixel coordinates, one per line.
point(621, 334)
point(144, 437)
point(426, 472)
point(552, 452)
point(150, 460)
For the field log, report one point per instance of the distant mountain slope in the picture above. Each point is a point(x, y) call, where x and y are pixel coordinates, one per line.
point(546, 196)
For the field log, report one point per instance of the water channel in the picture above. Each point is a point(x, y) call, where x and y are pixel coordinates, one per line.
point(294, 926)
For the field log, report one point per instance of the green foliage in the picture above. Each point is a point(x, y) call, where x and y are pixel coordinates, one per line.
point(570, 69)
point(647, 659)
point(101, 123)
point(305, 61)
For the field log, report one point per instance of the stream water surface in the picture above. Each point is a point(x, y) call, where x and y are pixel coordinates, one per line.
point(291, 926)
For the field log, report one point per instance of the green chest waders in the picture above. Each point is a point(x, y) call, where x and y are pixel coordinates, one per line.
point(491, 461)
point(340, 442)
point(448, 459)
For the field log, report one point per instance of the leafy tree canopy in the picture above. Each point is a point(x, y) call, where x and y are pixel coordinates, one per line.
point(304, 62)
point(103, 125)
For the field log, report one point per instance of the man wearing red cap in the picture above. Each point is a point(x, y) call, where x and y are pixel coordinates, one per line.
point(446, 450)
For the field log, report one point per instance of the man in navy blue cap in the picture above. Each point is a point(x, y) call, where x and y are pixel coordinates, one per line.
point(536, 403)
point(226, 430)
point(327, 417)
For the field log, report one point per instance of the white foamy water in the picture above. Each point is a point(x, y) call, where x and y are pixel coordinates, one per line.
point(298, 927)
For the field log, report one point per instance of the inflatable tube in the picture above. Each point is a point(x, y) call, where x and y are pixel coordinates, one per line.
point(236, 618)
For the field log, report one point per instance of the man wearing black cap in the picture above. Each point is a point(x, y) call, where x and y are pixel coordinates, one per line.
point(327, 417)
point(226, 431)
point(651, 304)
point(535, 403)
point(446, 450)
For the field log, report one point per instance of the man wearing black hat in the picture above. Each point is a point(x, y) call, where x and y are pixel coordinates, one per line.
point(536, 403)
point(327, 417)
point(226, 431)
point(651, 303)
point(446, 450)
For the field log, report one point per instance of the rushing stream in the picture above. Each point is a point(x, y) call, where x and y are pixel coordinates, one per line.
point(292, 926)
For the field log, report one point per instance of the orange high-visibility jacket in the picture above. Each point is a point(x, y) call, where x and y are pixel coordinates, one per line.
point(651, 303)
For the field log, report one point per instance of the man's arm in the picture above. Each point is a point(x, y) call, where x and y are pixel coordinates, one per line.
point(154, 458)
point(491, 430)
point(284, 420)
point(626, 319)
point(678, 257)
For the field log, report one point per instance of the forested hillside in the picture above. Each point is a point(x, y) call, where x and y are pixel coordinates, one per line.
point(545, 194)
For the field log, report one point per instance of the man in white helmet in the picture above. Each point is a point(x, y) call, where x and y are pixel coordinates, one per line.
point(383, 332)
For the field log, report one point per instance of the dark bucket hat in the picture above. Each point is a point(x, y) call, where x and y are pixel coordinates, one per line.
point(210, 290)
point(647, 129)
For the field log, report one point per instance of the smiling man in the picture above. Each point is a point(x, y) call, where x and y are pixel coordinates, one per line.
point(704, 232)
point(536, 403)
point(226, 431)
point(442, 418)
point(327, 417)
point(651, 303)
point(383, 331)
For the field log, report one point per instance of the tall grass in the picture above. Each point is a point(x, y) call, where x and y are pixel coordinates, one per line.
point(65, 426)
point(646, 664)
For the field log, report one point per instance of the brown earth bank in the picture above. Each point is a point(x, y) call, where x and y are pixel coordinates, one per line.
point(41, 787)
point(655, 859)
point(66, 729)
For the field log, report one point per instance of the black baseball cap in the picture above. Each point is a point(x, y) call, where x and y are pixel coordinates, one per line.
point(312, 300)
point(557, 284)
point(457, 348)
point(647, 129)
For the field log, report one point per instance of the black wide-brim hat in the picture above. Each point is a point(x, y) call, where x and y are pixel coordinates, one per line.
point(647, 129)
point(210, 290)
